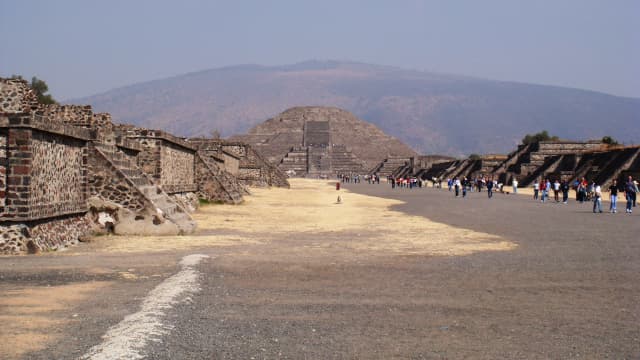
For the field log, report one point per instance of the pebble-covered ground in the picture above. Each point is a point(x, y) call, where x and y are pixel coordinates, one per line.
point(383, 274)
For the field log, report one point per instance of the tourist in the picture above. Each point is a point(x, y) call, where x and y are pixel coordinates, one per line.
point(514, 184)
point(456, 185)
point(630, 192)
point(543, 190)
point(449, 184)
point(556, 190)
point(581, 191)
point(536, 189)
point(490, 188)
point(565, 191)
point(597, 198)
point(613, 196)
point(465, 183)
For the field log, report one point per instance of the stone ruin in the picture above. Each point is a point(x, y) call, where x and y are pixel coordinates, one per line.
point(322, 142)
point(563, 160)
point(318, 156)
point(66, 172)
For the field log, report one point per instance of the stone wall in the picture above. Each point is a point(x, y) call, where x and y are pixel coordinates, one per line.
point(58, 176)
point(43, 174)
point(46, 171)
point(231, 163)
point(177, 167)
point(168, 160)
point(43, 235)
point(16, 97)
point(3, 169)
point(241, 160)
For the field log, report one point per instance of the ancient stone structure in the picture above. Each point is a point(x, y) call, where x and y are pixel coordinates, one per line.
point(565, 160)
point(254, 169)
point(390, 165)
point(43, 175)
point(530, 161)
point(322, 141)
point(417, 164)
point(66, 171)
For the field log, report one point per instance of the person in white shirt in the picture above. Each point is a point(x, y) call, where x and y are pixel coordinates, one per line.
point(514, 183)
point(536, 189)
point(556, 190)
point(597, 198)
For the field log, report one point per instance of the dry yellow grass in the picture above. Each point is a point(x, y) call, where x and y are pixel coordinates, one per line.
point(310, 208)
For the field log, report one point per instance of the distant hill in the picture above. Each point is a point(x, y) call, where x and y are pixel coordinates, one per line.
point(433, 113)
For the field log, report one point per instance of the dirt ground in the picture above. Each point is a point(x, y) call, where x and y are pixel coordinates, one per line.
point(382, 274)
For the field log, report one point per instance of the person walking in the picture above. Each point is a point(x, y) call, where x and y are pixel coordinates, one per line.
point(547, 188)
point(543, 190)
point(597, 198)
point(630, 192)
point(514, 183)
point(465, 183)
point(582, 191)
point(556, 190)
point(490, 188)
point(536, 189)
point(613, 196)
point(456, 185)
point(565, 191)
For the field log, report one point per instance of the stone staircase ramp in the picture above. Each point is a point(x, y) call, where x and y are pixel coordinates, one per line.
point(227, 182)
point(156, 197)
point(550, 165)
point(612, 170)
point(513, 159)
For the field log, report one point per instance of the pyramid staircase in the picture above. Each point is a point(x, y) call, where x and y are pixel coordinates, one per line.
point(344, 161)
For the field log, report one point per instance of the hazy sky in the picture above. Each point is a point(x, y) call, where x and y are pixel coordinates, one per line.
point(84, 47)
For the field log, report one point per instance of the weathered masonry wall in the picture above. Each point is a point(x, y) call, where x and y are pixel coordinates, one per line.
point(170, 161)
point(43, 175)
point(3, 169)
point(254, 170)
point(46, 172)
point(58, 175)
point(177, 167)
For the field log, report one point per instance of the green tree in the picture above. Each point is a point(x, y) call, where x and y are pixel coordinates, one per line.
point(474, 157)
point(609, 140)
point(537, 137)
point(40, 88)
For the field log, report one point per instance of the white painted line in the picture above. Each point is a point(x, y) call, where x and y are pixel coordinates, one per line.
point(128, 339)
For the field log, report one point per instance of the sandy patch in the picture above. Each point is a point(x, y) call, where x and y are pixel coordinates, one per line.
point(32, 318)
point(310, 208)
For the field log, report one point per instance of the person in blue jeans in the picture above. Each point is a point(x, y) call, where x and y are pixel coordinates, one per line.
point(597, 198)
point(490, 188)
point(613, 196)
point(630, 192)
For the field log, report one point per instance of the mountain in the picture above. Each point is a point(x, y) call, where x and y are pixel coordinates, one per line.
point(433, 113)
